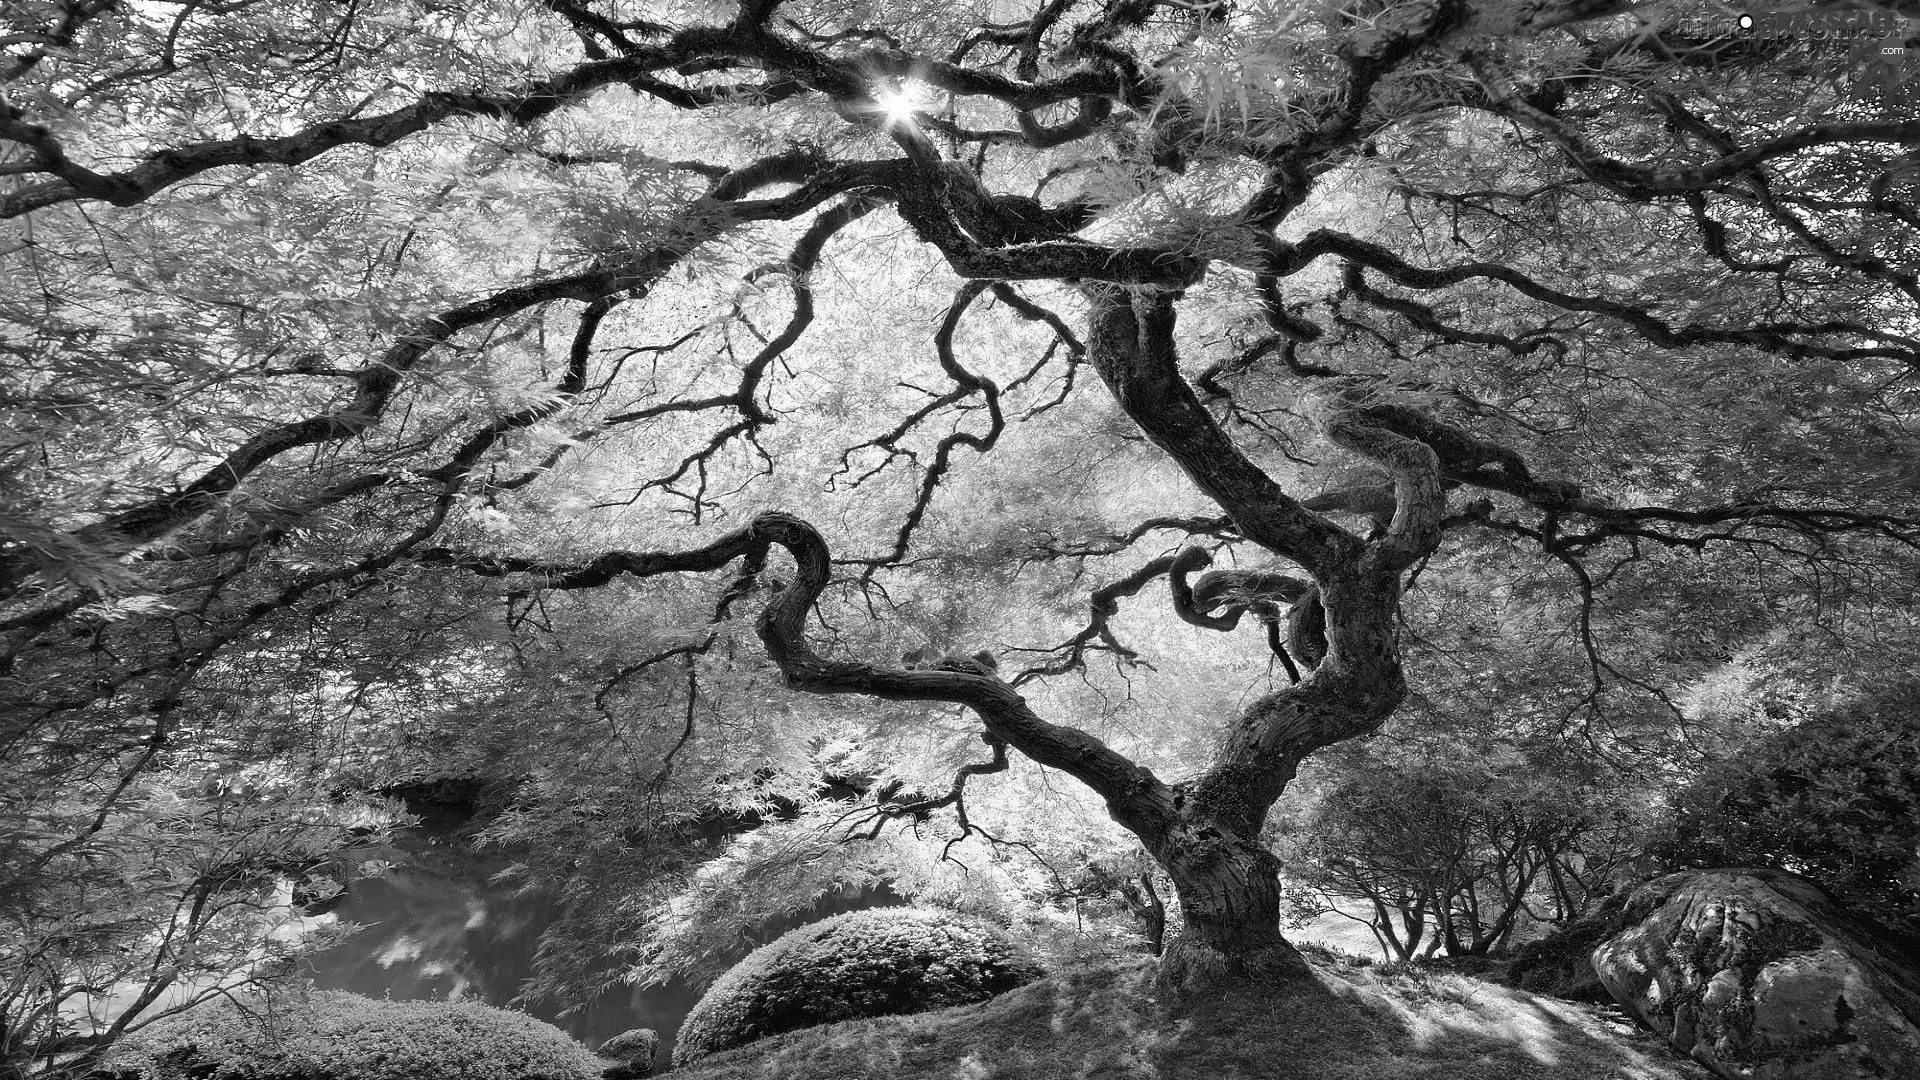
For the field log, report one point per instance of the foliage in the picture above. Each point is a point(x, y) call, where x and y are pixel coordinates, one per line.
point(329, 1035)
point(883, 962)
point(779, 873)
point(1833, 796)
point(112, 921)
point(687, 899)
point(774, 875)
point(1123, 887)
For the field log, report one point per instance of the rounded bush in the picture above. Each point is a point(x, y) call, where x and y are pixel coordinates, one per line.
point(883, 962)
point(329, 1035)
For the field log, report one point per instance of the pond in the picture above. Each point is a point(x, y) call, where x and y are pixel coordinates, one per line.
point(436, 927)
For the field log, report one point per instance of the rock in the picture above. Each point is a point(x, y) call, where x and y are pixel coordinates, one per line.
point(640, 1043)
point(634, 1050)
point(882, 962)
point(1760, 975)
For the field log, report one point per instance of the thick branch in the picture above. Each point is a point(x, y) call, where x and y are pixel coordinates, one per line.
point(1286, 259)
point(1237, 591)
point(1419, 502)
point(1136, 797)
point(1130, 344)
point(521, 106)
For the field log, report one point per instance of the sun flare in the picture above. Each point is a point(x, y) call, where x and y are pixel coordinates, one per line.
point(898, 105)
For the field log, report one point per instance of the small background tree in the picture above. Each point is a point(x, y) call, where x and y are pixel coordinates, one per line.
point(1465, 857)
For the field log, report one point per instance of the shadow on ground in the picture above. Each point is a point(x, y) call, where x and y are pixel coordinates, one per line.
point(1101, 1023)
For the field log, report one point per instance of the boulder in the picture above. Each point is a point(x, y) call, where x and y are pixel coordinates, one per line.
point(1760, 975)
point(634, 1050)
point(884, 962)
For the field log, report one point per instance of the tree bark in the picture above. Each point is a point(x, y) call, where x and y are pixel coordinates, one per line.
point(1229, 888)
point(1143, 899)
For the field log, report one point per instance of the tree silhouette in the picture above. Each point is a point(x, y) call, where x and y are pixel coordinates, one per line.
point(303, 302)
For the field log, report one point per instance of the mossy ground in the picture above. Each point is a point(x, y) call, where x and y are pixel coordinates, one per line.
point(1102, 1023)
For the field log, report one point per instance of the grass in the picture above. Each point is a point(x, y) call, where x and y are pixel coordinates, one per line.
point(1101, 1023)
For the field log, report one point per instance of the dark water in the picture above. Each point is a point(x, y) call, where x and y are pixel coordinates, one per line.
point(435, 927)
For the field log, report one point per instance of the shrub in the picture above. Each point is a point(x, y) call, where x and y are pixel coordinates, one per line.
point(884, 962)
point(329, 1035)
point(1835, 798)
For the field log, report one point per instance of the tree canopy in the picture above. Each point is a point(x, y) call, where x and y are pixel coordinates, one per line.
point(579, 393)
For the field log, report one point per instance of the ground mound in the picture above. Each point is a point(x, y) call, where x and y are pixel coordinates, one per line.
point(882, 962)
point(1359, 1023)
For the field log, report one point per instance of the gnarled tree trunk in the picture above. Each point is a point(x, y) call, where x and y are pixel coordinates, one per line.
point(1229, 890)
point(1204, 831)
point(1227, 882)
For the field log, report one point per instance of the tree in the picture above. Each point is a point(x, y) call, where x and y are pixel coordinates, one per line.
point(109, 925)
point(1457, 855)
point(353, 349)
